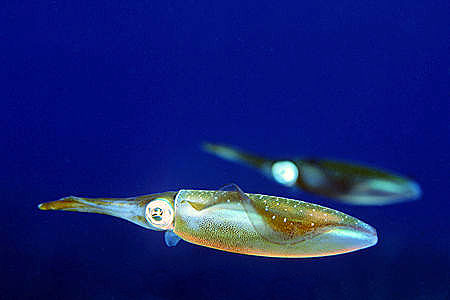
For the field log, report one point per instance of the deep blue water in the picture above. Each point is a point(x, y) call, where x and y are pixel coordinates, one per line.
point(113, 98)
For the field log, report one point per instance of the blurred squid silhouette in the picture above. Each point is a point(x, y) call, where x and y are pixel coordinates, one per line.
point(342, 181)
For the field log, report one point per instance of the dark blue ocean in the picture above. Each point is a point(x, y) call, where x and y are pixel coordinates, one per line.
point(114, 98)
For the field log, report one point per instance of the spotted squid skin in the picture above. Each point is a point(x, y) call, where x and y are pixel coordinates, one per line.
point(266, 225)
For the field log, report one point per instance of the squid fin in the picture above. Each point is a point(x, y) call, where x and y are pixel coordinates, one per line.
point(171, 238)
point(275, 230)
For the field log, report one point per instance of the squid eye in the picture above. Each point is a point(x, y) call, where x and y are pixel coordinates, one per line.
point(159, 213)
point(285, 172)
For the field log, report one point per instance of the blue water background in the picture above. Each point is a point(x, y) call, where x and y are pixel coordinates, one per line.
point(113, 98)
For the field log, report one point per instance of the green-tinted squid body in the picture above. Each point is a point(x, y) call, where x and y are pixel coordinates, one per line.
point(348, 182)
point(233, 221)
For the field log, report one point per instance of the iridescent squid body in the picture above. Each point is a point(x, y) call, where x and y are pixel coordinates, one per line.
point(233, 221)
point(347, 182)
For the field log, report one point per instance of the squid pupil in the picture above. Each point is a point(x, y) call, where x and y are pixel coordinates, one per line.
point(157, 214)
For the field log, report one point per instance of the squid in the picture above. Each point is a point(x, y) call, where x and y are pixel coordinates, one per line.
point(231, 220)
point(343, 181)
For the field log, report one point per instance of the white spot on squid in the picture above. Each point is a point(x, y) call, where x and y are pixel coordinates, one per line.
point(284, 220)
point(273, 217)
point(312, 224)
